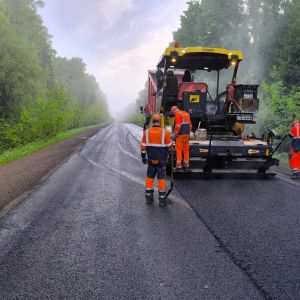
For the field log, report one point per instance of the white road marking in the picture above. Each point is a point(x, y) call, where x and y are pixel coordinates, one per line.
point(128, 153)
point(133, 178)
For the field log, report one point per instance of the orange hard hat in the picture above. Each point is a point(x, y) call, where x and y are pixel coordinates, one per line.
point(295, 122)
point(174, 109)
point(156, 118)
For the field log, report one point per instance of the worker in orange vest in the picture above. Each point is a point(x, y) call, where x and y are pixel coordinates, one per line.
point(295, 149)
point(155, 143)
point(183, 127)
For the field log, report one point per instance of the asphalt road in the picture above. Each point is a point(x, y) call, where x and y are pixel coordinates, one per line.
point(86, 233)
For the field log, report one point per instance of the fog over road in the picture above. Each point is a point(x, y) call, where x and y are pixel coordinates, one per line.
point(86, 233)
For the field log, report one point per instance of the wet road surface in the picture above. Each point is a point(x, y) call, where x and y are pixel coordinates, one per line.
point(86, 233)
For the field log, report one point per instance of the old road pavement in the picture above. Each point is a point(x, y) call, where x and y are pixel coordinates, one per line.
point(86, 233)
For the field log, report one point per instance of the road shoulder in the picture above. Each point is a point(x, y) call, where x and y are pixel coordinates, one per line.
point(19, 177)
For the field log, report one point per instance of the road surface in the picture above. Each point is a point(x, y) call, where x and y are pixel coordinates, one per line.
point(86, 233)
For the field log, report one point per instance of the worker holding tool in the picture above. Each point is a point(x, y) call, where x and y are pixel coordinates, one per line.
point(156, 143)
point(295, 149)
point(183, 127)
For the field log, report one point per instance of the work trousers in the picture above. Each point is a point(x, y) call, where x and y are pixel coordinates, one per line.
point(182, 146)
point(159, 171)
point(295, 161)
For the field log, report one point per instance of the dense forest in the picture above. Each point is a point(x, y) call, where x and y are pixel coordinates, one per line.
point(268, 33)
point(41, 94)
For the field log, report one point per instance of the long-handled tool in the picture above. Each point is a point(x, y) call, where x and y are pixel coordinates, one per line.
point(267, 164)
point(277, 147)
point(172, 173)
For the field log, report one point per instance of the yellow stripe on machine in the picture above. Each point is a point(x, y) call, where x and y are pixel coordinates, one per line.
point(253, 151)
point(187, 50)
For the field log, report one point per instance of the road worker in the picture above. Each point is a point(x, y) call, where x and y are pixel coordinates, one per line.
point(187, 76)
point(155, 144)
point(295, 149)
point(147, 115)
point(183, 127)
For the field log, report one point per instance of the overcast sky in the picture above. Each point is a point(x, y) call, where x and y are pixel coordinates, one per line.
point(119, 40)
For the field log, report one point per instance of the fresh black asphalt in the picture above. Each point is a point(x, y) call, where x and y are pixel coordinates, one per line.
point(86, 233)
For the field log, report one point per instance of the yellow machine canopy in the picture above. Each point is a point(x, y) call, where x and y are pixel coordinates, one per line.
point(199, 58)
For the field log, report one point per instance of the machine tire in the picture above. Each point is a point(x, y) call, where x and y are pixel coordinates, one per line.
point(262, 170)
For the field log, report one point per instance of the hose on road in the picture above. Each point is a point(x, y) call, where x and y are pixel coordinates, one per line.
point(172, 173)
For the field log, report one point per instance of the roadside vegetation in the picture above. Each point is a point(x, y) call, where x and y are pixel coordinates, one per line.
point(41, 94)
point(24, 150)
point(268, 33)
point(133, 113)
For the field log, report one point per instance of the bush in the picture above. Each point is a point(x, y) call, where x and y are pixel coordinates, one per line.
point(280, 106)
point(9, 137)
point(47, 117)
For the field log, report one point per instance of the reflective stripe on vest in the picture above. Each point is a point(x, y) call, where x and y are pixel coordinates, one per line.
point(155, 145)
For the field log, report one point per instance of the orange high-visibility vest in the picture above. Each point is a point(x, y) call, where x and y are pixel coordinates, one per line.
point(295, 135)
point(183, 123)
point(155, 142)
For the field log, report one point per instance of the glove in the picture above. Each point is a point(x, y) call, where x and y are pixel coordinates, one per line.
point(144, 159)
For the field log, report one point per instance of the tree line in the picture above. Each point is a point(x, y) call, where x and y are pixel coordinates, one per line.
point(41, 94)
point(268, 33)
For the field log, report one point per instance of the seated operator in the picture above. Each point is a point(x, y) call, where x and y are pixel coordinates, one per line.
point(170, 92)
point(187, 76)
point(159, 78)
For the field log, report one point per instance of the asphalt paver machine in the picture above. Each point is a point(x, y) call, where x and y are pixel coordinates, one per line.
point(217, 142)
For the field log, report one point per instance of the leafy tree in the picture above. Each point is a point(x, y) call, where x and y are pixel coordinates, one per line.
point(288, 48)
point(212, 23)
point(132, 113)
point(28, 25)
point(40, 94)
point(21, 75)
point(83, 87)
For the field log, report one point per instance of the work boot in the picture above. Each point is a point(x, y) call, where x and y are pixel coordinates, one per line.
point(163, 201)
point(186, 168)
point(186, 165)
point(295, 175)
point(149, 199)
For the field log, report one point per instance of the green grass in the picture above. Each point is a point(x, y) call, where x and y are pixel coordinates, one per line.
point(19, 152)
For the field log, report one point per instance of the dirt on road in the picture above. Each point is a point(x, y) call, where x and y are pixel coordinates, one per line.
point(21, 176)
